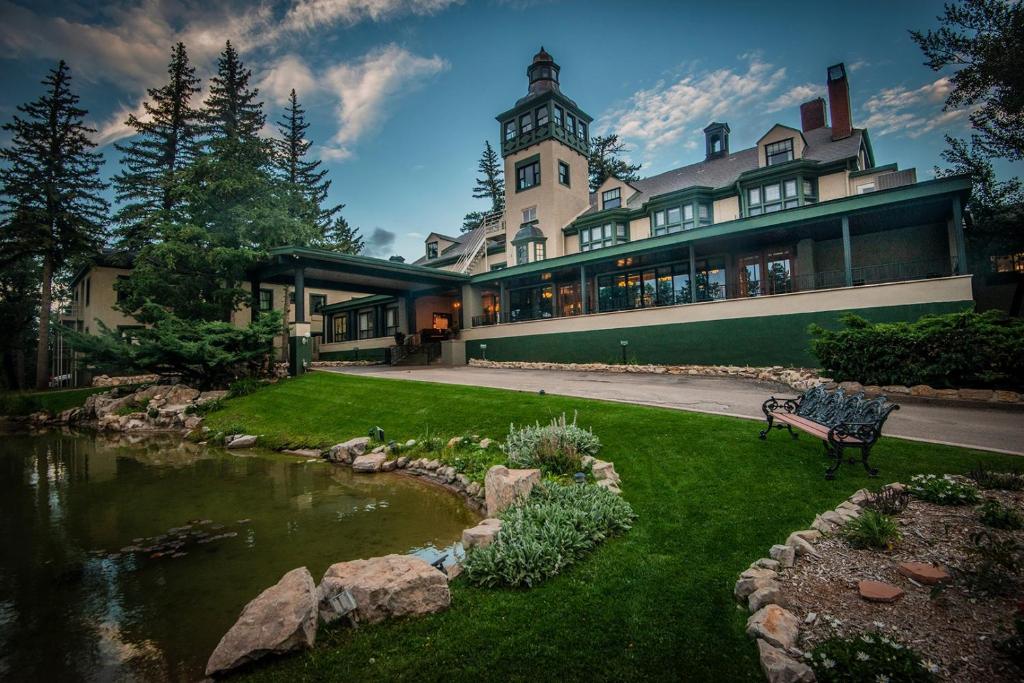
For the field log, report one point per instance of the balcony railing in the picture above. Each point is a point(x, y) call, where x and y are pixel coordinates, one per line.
point(676, 290)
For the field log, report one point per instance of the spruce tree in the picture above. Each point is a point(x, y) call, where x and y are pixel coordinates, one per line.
point(306, 180)
point(492, 183)
point(605, 163)
point(232, 114)
point(152, 163)
point(341, 237)
point(51, 205)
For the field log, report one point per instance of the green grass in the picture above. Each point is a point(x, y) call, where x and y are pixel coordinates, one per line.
point(24, 402)
point(655, 603)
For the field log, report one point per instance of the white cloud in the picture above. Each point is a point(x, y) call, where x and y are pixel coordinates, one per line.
point(115, 127)
point(664, 114)
point(365, 87)
point(794, 97)
point(309, 14)
point(287, 73)
point(911, 112)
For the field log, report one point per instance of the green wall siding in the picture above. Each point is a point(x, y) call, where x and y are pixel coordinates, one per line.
point(768, 340)
point(364, 354)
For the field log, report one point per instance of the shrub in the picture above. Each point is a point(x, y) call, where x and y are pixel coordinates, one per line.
point(998, 516)
point(942, 490)
point(557, 448)
point(549, 531)
point(997, 562)
point(244, 387)
point(473, 462)
point(871, 529)
point(1003, 481)
point(871, 656)
point(888, 501)
point(15, 403)
point(957, 349)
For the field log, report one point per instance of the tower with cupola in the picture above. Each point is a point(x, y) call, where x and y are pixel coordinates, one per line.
point(545, 140)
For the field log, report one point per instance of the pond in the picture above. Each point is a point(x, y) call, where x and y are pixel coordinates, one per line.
point(129, 559)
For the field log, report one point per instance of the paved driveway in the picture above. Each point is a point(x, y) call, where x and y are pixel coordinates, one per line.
point(985, 428)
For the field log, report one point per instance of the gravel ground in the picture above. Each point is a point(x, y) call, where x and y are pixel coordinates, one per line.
point(953, 626)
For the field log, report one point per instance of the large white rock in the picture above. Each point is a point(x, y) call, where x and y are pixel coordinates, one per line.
point(385, 587)
point(605, 471)
point(179, 394)
point(242, 441)
point(281, 619)
point(347, 451)
point(504, 487)
point(482, 535)
point(371, 462)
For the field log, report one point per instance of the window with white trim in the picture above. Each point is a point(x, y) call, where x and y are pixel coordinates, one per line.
point(600, 236)
point(778, 152)
point(611, 199)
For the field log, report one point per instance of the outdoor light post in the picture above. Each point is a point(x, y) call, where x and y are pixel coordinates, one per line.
point(624, 343)
point(483, 351)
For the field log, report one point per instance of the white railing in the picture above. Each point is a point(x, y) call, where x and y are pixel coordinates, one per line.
point(492, 223)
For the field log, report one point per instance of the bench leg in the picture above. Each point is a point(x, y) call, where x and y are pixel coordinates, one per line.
point(865, 451)
point(793, 434)
point(764, 432)
point(836, 453)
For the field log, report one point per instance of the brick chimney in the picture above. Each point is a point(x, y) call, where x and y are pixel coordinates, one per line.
point(839, 102)
point(812, 114)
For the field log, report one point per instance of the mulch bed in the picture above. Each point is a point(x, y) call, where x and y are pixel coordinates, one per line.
point(953, 626)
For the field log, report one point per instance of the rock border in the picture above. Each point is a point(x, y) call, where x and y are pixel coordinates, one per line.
point(775, 629)
point(798, 379)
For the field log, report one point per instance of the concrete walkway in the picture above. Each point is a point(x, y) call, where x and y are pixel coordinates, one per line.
point(985, 428)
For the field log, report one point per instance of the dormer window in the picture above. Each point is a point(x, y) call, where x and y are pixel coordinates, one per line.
point(778, 152)
point(431, 250)
point(611, 199)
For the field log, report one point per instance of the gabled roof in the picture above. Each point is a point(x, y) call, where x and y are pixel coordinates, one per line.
point(781, 125)
point(724, 171)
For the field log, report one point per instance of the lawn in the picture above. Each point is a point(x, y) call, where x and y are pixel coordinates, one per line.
point(55, 401)
point(654, 604)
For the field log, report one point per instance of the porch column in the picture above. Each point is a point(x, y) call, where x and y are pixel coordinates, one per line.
point(300, 347)
point(472, 306)
point(584, 299)
point(847, 254)
point(254, 303)
point(503, 299)
point(410, 314)
point(960, 267)
point(693, 276)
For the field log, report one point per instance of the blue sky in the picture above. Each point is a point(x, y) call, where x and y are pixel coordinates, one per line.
point(401, 94)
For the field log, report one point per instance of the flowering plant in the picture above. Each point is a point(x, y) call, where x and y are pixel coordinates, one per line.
point(944, 490)
point(871, 656)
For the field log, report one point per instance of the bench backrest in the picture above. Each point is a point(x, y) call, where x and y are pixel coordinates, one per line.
point(831, 408)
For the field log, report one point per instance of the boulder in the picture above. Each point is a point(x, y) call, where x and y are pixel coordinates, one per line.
point(610, 485)
point(281, 619)
point(605, 471)
point(800, 546)
point(778, 667)
point(303, 452)
point(785, 554)
point(851, 387)
point(385, 587)
point(371, 462)
point(193, 421)
point(976, 394)
point(770, 594)
point(747, 586)
point(179, 394)
point(242, 441)
point(1007, 396)
point(482, 535)
point(923, 391)
point(402, 462)
point(347, 451)
point(774, 624)
point(504, 487)
point(207, 396)
point(485, 443)
point(388, 465)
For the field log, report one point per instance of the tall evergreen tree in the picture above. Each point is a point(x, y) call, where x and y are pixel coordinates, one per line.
point(342, 238)
point(306, 179)
point(50, 202)
point(153, 161)
point(233, 113)
point(605, 163)
point(489, 185)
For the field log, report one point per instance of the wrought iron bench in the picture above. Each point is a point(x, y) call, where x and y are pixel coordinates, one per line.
point(840, 421)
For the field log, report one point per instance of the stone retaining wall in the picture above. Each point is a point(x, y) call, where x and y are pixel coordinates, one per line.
point(799, 379)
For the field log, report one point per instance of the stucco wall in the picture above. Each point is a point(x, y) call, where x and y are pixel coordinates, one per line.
point(102, 299)
point(726, 209)
point(833, 186)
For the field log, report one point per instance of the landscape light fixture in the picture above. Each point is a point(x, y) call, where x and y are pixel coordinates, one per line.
point(624, 343)
point(483, 351)
point(580, 478)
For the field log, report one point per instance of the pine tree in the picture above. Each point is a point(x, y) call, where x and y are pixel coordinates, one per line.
point(306, 180)
point(50, 202)
point(152, 163)
point(342, 238)
point(232, 114)
point(604, 162)
point(492, 184)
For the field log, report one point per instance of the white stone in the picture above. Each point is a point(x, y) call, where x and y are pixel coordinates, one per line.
point(385, 587)
point(242, 441)
point(347, 451)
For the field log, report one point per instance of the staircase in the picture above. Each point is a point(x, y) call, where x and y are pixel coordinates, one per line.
point(415, 354)
point(476, 244)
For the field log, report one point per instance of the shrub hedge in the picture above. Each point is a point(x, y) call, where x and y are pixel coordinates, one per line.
point(979, 350)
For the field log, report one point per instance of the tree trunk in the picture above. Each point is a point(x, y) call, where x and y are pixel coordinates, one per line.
point(43, 349)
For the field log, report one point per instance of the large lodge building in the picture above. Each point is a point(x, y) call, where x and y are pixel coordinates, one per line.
point(727, 260)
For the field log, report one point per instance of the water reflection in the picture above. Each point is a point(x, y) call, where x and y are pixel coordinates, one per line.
point(82, 596)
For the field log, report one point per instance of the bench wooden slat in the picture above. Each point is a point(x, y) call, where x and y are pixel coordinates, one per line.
point(811, 427)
